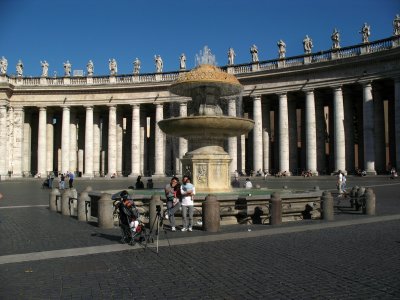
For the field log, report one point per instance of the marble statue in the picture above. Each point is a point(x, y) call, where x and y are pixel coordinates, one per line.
point(67, 68)
point(231, 57)
point(45, 68)
point(112, 65)
point(396, 25)
point(307, 44)
point(20, 68)
point(136, 66)
point(3, 65)
point(335, 37)
point(159, 63)
point(366, 32)
point(254, 53)
point(282, 49)
point(182, 64)
point(90, 68)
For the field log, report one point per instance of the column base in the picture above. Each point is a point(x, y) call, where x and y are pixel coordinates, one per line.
point(87, 175)
point(159, 175)
point(134, 175)
point(371, 172)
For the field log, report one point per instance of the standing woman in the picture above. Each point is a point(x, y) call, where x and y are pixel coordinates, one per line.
point(187, 191)
point(172, 194)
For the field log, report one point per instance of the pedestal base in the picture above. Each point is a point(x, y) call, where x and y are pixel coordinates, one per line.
point(209, 169)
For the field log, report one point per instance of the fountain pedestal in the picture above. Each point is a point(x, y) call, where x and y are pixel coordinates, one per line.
point(209, 167)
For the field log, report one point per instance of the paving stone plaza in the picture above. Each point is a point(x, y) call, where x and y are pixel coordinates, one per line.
point(44, 255)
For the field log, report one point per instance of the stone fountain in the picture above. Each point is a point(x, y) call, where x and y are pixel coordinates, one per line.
point(207, 129)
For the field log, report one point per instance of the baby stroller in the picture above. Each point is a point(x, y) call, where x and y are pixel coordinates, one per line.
point(132, 229)
point(46, 184)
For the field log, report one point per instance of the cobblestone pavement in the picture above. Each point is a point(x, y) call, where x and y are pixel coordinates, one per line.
point(355, 257)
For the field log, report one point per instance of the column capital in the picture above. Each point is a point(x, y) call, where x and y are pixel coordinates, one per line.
point(337, 88)
point(159, 104)
point(183, 104)
point(309, 91)
point(135, 105)
point(88, 107)
point(255, 97)
point(110, 106)
point(18, 108)
point(66, 107)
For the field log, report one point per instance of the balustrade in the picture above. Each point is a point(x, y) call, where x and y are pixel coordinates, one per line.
point(323, 56)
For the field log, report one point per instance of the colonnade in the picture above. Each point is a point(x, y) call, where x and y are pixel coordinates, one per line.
point(322, 129)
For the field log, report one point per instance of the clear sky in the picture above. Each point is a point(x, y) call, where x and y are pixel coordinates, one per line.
point(79, 30)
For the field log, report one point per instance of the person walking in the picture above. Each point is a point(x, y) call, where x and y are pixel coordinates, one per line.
point(172, 193)
point(187, 191)
point(71, 179)
point(339, 181)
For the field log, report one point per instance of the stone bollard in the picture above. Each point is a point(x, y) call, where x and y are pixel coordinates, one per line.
point(369, 207)
point(82, 214)
point(211, 215)
point(52, 199)
point(65, 203)
point(105, 211)
point(275, 209)
point(88, 189)
point(155, 207)
point(327, 206)
point(73, 201)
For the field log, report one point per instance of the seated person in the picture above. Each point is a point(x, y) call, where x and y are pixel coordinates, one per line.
point(139, 183)
point(248, 184)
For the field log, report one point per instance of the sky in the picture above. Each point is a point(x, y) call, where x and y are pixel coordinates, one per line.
point(80, 30)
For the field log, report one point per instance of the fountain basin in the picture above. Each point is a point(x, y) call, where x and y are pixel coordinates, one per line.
point(216, 127)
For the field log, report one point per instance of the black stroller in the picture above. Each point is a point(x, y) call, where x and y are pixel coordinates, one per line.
point(132, 229)
point(46, 184)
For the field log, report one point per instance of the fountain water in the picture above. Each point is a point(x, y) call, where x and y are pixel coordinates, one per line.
point(207, 162)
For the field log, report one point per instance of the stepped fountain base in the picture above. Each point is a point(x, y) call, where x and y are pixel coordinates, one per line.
point(209, 168)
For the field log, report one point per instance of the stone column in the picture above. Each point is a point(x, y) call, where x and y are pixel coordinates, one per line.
point(3, 140)
point(42, 142)
point(311, 133)
point(27, 157)
point(257, 135)
point(120, 134)
point(183, 143)
point(96, 144)
point(16, 164)
point(49, 143)
point(65, 140)
point(266, 135)
point(136, 141)
point(283, 133)
point(232, 141)
point(75, 164)
point(112, 140)
point(88, 167)
point(243, 154)
point(368, 128)
point(159, 143)
point(397, 119)
point(339, 140)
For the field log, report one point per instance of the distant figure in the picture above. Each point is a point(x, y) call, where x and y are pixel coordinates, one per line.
point(136, 66)
point(182, 64)
point(396, 25)
point(139, 183)
point(20, 68)
point(366, 32)
point(149, 184)
point(231, 57)
point(307, 44)
point(67, 69)
point(235, 183)
point(335, 39)
point(159, 63)
point(71, 179)
point(3, 65)
point(281, 49)
point(248, 184)
point(45, 68)
point(339, 181)
point(393, 173)
point(254, 53)
point(90, 68)
point(112, 65)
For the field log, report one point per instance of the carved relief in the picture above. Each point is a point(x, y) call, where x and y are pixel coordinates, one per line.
point(201, 173)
